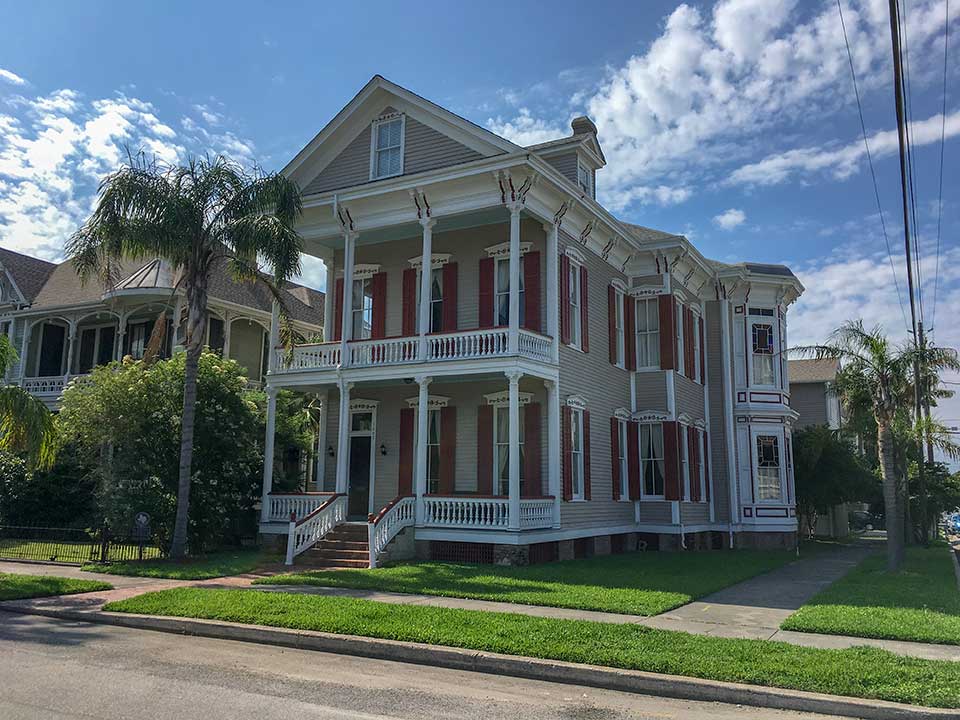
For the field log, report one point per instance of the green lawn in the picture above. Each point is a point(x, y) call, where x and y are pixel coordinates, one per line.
point(16, 587)
point(212, 565)
point(861, 672)
point(56, 551)
point(920, 602)
point(632, 583)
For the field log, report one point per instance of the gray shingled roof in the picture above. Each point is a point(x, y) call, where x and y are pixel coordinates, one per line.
point(645, 234)
point(813, 371)
point(29, 273)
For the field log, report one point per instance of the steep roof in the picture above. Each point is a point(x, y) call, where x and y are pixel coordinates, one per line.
point(29, 273)
point(813, 371)
point(63, 287)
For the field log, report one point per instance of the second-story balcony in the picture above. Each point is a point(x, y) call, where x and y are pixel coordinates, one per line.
point(459, 345)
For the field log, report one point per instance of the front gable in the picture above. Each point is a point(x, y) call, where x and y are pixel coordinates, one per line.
point(340, 156)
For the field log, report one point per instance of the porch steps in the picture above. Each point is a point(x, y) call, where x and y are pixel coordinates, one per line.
point(343, 547)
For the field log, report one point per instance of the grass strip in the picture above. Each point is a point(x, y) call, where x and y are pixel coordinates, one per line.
point(17, 587)
point(631, 583)
point(858, 672)
point(204, 567)
point(920, 602)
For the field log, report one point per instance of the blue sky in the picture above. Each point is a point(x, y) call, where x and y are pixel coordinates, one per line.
point(732, 122)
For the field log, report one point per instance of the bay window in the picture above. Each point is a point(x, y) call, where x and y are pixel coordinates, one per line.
point(769, 485)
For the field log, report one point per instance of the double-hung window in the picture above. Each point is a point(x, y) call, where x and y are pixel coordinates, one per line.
point(696, 348)
point(501, 449)
point(680, 338)
point(619, 328)
point(433, 450)
point(362, 310)
point(436, 300)
point(576, 453)
point(648, 333)
point(685, 461)
point(651, 459)
point(576, 332)
point(501, 292)
point(585, 179)
point(769, 487)
point(387, 152)
point(622, 459)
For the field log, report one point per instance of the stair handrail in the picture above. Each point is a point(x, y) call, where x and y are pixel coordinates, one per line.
point(304, 533)
point(396, 515)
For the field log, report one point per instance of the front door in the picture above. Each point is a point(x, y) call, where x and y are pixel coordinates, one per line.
point(358, 505)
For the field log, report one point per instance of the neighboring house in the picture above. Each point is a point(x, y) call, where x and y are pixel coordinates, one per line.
point(515, 374)
point(813, 396)
point(62, 328)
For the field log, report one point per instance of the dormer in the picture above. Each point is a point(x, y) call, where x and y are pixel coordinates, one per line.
point(578, 156)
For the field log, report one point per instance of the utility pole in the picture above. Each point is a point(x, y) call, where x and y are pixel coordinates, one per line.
point(927, 391)
point(901, 135)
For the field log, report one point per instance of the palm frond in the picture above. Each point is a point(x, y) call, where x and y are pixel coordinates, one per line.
point(26, 426)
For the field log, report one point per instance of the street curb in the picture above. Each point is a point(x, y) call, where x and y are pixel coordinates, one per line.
point(632, 681)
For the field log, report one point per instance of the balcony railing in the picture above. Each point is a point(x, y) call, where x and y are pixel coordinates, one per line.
point(299, 505)
point(485, 513)
point(460, 345)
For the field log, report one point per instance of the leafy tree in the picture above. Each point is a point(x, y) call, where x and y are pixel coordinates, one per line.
point(26, 426)
point(125, 419)
point(62, 496)
point(827, 472)
point(194, 216)
point(943, 493)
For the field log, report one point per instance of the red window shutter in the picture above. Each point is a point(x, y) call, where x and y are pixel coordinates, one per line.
point(485, 450)
point(409, 303)
point(448, 448)
point(703, 355)
point(405, 481)
point(566, 419)
point(630, 331)
point(671, 460)
point(378, 287)
point(533, 484)
point(486, 292)
point(564, 299)
point(694, 463)
point(531, 291)
point(615, 456)
point(668, 332)
point(584, 314)
point(586, 454)
point(337, 320)
point(612, 322)
point(450, 297)
point(633, 459)
point(706, 463)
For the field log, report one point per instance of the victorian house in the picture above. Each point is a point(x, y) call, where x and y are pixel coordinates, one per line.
point(514, 374)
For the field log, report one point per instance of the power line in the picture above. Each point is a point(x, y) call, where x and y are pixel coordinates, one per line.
point(943, 127)
point(873, 174)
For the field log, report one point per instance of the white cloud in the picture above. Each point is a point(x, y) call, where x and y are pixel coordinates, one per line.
point(524, 129)
point(729, 219)
point(11, 77)
point(844, 161)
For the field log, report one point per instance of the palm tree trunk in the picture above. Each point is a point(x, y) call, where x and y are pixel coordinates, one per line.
point(894, 510)
point(196, 327)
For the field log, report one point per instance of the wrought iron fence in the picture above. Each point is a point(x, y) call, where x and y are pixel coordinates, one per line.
point(74, 545)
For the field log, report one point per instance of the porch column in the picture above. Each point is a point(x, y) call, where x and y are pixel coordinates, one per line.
point(320, 474)
point(268, 453)
point(553, 287)
point(328, 285)
point(24, 346)
point(121, 335)
point(553, 446)
point(343, 437)
point(514, 455)
point(177, 315)
point(227, 323)
point(274, 339)
point(514, 335)
point(71, 341)
point(420, 480)
point(349, 242)
point(425, 273)
point(11, 333)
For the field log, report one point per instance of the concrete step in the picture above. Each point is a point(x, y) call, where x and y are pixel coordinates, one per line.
point(329, 554)
point(332, 544)
point(320, 563)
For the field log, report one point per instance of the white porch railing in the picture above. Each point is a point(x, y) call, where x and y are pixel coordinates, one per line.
point(283, 505)
point(45, 385)
point(467, 345)
point(304, 534)
point(386, 351)
point(384, 526)
point(535, 346)
point(482, 513)
point(308, 357)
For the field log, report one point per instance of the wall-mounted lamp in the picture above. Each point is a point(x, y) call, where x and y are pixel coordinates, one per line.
point(383, 449)
point(330, 451)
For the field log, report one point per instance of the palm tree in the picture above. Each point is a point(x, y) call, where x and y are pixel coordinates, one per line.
point(194, 216)
point(26, 426)
point(879, 373)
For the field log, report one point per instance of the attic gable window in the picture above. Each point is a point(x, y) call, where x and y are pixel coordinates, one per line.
point(386, 147)
point(585, 179)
